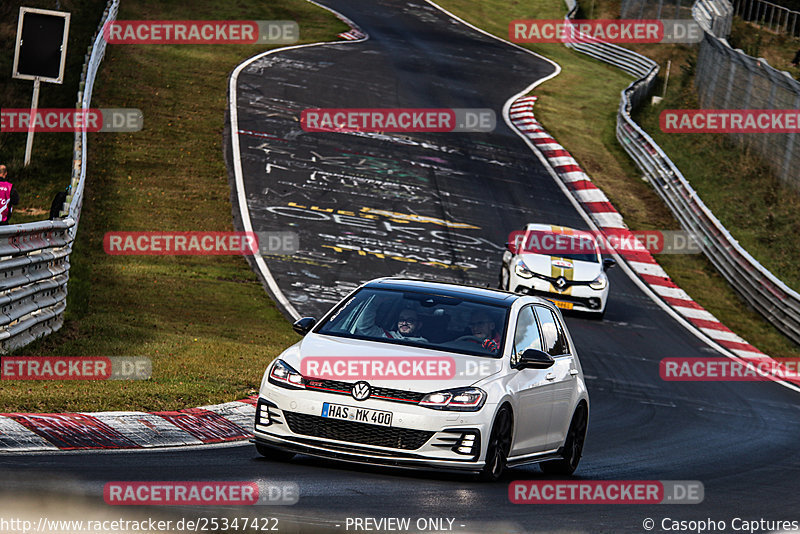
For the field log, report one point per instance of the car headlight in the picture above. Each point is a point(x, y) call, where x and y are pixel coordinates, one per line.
point(600, 282)
point(522, 271)
point(283, 375)
point(459, 399)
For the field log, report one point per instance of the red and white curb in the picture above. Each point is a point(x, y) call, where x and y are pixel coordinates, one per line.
point(220, 423)
point(605, 216)
point(353, 35)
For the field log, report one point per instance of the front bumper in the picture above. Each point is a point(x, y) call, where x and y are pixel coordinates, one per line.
point(419, 437)
point(582, 297)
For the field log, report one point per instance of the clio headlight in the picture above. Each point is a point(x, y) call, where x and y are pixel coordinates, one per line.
point(600, 282)
point(522, 270)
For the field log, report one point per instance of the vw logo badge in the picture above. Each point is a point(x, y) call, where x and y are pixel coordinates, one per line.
point(361, 391)
point(561, 282)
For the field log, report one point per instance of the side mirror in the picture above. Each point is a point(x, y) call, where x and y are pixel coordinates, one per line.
point(535, 359)
point(511, 247)
point(303, 326)
point(608, 263)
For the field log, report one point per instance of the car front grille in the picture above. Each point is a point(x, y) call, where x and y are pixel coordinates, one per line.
point(344, 388)
point(590, 302)
point(381, 436)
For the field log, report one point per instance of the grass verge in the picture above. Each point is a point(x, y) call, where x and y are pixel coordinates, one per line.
point(579, 108)
point(205, 321)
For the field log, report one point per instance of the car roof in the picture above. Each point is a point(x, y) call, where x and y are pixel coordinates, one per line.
point(484, 295)
point(552, 228)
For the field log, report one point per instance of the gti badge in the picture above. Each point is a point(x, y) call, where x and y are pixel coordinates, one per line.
point(361, 391)
point(560, 283)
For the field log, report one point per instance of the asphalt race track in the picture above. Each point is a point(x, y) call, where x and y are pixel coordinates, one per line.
point(445, 203)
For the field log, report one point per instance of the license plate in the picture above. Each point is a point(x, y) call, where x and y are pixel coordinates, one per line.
point(358, 415)
point(563, 305)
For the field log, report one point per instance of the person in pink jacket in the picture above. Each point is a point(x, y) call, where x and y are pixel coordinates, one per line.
point(8, 196)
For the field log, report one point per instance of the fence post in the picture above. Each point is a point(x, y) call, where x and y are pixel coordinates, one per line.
point(770, 105)
point(708, 100)
point(789, 155)
point(749, 91)
point(731, 76)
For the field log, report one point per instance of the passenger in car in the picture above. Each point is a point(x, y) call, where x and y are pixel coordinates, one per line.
point(484, 330)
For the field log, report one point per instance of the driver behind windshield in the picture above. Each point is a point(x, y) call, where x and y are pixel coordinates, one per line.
point(408, 325)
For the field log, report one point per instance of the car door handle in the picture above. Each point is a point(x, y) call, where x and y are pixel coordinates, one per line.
point(573, 372)
point(550, 376)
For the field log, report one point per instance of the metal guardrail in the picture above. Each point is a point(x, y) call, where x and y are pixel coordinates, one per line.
point(759, 287)
point(34, 257)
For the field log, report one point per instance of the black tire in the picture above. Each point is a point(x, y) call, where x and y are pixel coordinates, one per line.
point(274, 454)
point(505, 277)
point(573, 446)
point(499, 445)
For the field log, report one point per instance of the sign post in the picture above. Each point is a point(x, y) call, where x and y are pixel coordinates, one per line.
point(40, 55)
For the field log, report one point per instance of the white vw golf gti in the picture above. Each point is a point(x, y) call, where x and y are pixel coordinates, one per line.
point(421, 374)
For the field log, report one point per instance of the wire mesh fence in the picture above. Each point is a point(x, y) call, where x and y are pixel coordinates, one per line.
point(656, 9)
point(729, 79)
point(726, 78)
point(772, 16)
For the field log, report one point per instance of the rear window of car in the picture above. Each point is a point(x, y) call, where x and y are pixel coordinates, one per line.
point(420, 319)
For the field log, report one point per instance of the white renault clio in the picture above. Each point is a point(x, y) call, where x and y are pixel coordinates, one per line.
point(421, 374)
point(558, 263)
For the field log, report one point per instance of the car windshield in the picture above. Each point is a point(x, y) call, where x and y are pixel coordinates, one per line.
point(560, 245)
point(420, 319)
